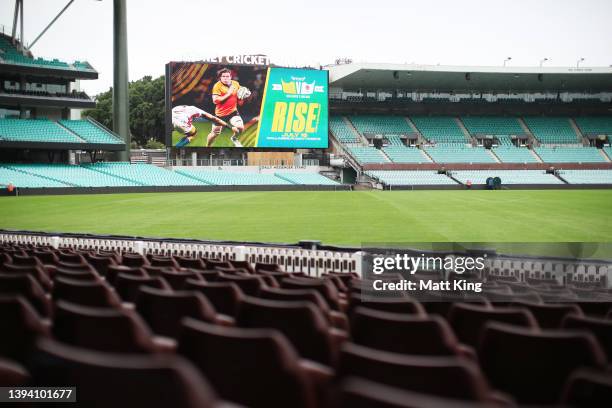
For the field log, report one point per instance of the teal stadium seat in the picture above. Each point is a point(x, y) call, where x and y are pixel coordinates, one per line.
point(570, 154)
point(450, 153)
point(552, 130)
point(442, 129)
point(73, 175)
point(506, 176)
point(342, 131)
point(492, 125)
point(232, 178)
point(21, 179)
point(410, 177)
point(90, 132)
point(381, 124)
point(11, 55)
point(587, 176)
point(144, 174)
point(595, 125)
point(35, 130)
point(403, 154)
point(366, 154)
point(394, 140)
point(507, 154)
point(608, 151)
point(306, 179)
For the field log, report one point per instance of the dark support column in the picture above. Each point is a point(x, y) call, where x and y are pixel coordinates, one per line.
point(121, 117)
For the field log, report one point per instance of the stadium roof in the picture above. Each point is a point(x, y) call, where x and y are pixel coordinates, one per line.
point(372, 76)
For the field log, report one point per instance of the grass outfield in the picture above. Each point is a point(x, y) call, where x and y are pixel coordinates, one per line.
point(344, 218)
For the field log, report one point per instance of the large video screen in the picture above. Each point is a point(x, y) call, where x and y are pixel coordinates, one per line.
point(220, 105)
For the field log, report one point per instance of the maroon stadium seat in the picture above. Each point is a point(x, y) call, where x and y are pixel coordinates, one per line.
point(533, 365)
point(20, 325)
point(469, 320)
point(550, 316)
point(359, 393)
point(187, 262)
point(37, 271)
point(101, 263)
point(224, 296)
point(86, 293)
point(444, 376)
point(128, 286)
point(301, 322)
point(325, 287)
point(114, 270)
point(402, 305)
point(600, 328)
point(250, 285)
point(177, 279)
point(405, 334)
point(13, 374)
point(134, 260)
point(254, 367)
point(588, 389)
point(163, 261)
point(106, 380)
point(163, 309)
point(102, 329)
point(28, 287)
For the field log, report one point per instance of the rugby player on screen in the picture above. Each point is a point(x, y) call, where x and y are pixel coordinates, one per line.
point(227, 94)
point(182, 120)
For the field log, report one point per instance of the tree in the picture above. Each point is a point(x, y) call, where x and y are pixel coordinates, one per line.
point(147, 114)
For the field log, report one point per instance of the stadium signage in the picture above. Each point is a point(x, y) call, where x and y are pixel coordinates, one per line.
point(255, 59)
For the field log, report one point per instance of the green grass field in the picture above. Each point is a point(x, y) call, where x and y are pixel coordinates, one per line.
point(247, 138)
point(344, 218)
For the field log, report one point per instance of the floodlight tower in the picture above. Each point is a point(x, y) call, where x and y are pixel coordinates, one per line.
point(121, 106)
point(121, 113)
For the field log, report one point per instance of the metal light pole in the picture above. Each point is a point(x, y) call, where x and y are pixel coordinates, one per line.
point(121, 114)
point(542, 61)
point(506, 60)
point(578, 62)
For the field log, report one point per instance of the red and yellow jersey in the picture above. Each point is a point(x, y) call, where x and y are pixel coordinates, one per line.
point(229, 105)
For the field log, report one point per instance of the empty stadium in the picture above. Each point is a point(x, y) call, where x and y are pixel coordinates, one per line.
point(232, 276)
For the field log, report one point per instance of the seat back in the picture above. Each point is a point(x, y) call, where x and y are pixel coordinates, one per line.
point(301, 322)
point(20, 325)
point(163, 309)
point(254, 367)
point(405, 334)
point(101, 329)
point(534, 365)
point(225, 296)
point(86, 293)
point(600, 328)
point(152, 381)
point(128, 286)
point(450, 377)
point(469, 320)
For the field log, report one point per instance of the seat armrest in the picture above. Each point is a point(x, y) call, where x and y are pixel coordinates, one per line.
point(164, 344)
point(225, 320)
point(339, 320)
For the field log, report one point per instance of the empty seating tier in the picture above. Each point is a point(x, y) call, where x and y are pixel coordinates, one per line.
point(303, 178)
point(439, 128)
point(381, 124)
point(144, 174)
point(570, 154)
point(11, 55)
point(342, 131)
point(26, 180)
point(365, 154)
point(587, 176)
point(506, 176)
point(492, 125)
point(552, 130)
point(35, 130)
point(232, 178)
point(595, 125)
point(75, 176)
point(515, 154)
point(410, 178)
point(403, 154)
point(459, 154)
point(90, 132)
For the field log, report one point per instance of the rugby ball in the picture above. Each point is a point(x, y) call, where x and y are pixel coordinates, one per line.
point(243, 92)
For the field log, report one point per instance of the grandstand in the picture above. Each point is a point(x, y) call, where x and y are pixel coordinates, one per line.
point(440, 129)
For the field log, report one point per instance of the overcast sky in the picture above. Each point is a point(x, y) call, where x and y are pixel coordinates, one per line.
point(448, 32)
